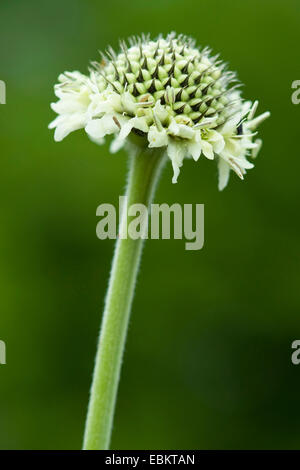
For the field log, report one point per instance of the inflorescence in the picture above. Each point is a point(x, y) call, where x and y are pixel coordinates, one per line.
point(169, 93)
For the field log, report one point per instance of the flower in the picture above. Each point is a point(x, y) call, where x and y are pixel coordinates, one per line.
point(171, 94)
point(74, 95)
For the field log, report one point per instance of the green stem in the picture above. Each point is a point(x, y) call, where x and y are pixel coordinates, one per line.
point(143, 176)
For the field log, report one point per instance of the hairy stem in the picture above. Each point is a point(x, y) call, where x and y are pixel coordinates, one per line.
point(143, 176)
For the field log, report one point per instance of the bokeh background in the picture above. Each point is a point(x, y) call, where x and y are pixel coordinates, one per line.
point(208, 356)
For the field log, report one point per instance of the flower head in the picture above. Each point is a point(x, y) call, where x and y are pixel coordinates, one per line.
point(169, 93)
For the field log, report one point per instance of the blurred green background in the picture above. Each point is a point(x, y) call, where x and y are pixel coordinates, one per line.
point(208, 356)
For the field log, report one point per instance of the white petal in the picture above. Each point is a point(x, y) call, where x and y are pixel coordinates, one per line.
point(176, 152)
point(160, 111)
point(243, 163)
point(137, 123)
point(230, 126)
point(194, 149)
point(104, 103)
point(233, 147)
point(181, 130)
point(247, 144)
point(128, 102)
point(68, 105)
point(206, 122)
point(99, 128)
point(54, 123)
point(97, 141)
point(246, 108)
point(207, 149)
point(116, 145)
point(67, 124)
point(253, 110)
point(74, 99)
point(61, 132)
point(236, 168)
point(258, 120)
point(157, 138)
point(216, 140)
point(224, 172)
point(170, 95)
point(256, 150)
